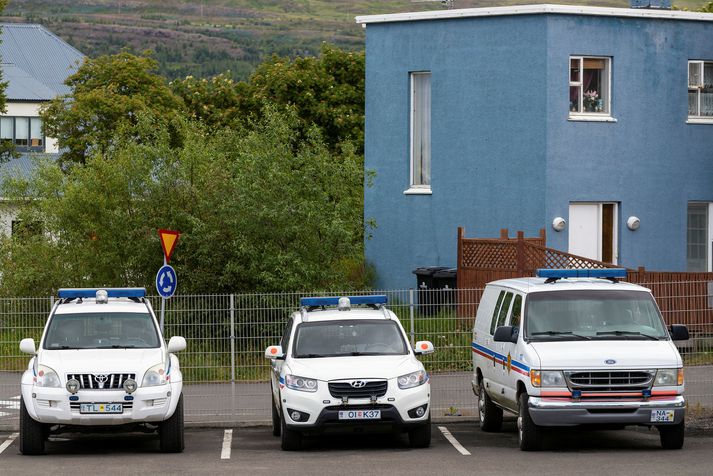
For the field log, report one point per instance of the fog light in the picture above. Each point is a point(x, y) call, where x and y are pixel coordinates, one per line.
point(420, 411)
point(72, 386)
point(130, 385)
point(295, 416)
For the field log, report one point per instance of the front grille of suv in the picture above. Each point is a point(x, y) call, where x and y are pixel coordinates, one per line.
point(610, 381)
point(368, 390)
point(101, 381)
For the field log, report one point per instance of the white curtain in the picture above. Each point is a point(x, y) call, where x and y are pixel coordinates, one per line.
point(421, 133)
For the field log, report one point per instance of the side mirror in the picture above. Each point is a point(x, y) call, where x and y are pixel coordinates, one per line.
point(506, 334)
point(176, 344)
point(423, 347)
point(27, 346)
point(678, 332)
point(274, 352)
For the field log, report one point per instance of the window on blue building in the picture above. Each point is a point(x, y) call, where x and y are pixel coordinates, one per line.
point(421, 130)
point(697, 237)
point(700, 89)
point(589, 85)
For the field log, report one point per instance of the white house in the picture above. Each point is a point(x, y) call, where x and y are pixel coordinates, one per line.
point(35, 63)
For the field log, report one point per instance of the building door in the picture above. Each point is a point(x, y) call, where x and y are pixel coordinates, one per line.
point(593, 231)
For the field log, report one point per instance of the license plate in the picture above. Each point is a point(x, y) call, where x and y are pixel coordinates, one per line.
point(359, 414)
point(101, 408)
point(662, 416)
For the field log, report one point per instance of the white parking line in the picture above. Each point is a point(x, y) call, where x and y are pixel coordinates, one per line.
point(451, 439)
point(8, 442)
point(15, 398)
point(227, 441)
point(11, 404)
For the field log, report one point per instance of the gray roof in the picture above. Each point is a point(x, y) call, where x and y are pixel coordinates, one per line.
point(22, 167)
point(29, 50)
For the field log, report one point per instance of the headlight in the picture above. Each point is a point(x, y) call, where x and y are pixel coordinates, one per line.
point(300, 383)
point(547, 378)
point(46, 377)
point(668, 377)
point(156, 375)
point(414, 379)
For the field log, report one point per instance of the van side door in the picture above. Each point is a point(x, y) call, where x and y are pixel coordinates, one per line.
point(511, 370)
point(498, 380)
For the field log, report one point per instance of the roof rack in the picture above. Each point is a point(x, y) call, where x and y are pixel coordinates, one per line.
point(553, 275)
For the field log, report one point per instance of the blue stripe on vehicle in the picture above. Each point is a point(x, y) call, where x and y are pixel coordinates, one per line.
point(502, 358)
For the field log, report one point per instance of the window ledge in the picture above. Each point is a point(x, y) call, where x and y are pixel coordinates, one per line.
point(699, 120)
point(590, 118)
point(418, 191)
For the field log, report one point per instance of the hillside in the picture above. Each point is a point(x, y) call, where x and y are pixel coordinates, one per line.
point(206, 37)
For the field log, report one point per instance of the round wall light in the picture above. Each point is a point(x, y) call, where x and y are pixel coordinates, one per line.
point(559, 224)
point(633, 223)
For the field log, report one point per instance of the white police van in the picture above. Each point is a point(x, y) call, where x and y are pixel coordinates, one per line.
point(576, 347)
point(344, 367)
point(102, 364)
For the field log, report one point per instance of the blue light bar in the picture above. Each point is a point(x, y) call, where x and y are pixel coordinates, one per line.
point(92, 292)
point(333, 301)
point(582, 273)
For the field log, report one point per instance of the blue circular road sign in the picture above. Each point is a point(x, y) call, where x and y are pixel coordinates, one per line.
point(166, 281)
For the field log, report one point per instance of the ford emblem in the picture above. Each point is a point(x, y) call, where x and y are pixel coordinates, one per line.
point(610, 361)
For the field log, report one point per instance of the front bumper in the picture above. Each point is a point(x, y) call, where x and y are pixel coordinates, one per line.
point(149, 404)
point(323, 409)
point(565, 412)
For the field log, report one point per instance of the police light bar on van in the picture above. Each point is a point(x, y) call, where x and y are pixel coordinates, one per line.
point(607, 273)
point(92, 292)
point(334, 301)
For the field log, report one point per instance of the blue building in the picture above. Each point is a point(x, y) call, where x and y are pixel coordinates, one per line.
point(595, 123)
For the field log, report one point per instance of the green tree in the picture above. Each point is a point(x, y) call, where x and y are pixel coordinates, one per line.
point(325, 91)
point(108, 92)
point(258, 209)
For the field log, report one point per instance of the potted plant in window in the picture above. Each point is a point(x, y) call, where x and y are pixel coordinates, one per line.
point(591, 101)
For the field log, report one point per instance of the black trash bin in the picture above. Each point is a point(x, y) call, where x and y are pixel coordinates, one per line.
point(426, 285)
point(445, 281)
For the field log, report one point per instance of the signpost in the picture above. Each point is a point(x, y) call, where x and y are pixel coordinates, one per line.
point(166, 279)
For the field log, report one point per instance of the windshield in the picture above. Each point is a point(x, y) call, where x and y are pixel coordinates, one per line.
point(577, 315)
point(97, 330)
point(345, 338)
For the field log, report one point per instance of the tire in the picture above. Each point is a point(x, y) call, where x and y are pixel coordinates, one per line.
point(421, 436)
point(276, 429)
point(529, 435)
point(672, 436)
point(290, 440)
point(32, 433)
point(491, 417)
point(170, 432)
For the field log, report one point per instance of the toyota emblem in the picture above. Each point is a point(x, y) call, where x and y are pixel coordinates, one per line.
point(358, 383)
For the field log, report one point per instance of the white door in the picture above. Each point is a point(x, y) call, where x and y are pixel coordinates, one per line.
point(593, 231)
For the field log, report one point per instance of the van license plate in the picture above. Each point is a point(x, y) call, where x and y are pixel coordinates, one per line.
point(359, 414)
point(101, 408)
point(662, 416)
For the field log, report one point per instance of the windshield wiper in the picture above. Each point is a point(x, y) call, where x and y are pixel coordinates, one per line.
point(626, 333)
point(67, 347)
point(560, 333)
point(116, 346)
point(311, 356)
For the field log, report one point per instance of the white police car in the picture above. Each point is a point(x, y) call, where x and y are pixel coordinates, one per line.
point(576, 347)
point(345, 367)
point(102, 364)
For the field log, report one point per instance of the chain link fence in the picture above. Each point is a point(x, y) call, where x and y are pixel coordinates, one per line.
point(226, 377)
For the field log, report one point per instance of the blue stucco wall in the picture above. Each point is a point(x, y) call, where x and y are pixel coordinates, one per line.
point(650, 161)
point(488, 137)
point(504, 154)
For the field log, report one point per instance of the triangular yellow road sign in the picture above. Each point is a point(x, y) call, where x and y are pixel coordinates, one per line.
point(169, 238)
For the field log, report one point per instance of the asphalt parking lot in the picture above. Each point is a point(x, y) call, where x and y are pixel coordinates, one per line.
point(255, 451)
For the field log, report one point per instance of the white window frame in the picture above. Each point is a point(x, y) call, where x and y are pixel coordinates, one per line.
point(709, 234)
point(697, 118)
point(415, 189)
point(582, 115)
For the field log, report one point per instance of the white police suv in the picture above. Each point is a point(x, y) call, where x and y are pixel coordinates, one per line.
point(339, 366)
point(102, 364)
point(576, 347)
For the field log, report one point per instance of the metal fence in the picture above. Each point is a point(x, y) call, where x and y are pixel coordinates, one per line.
point(226, 378)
